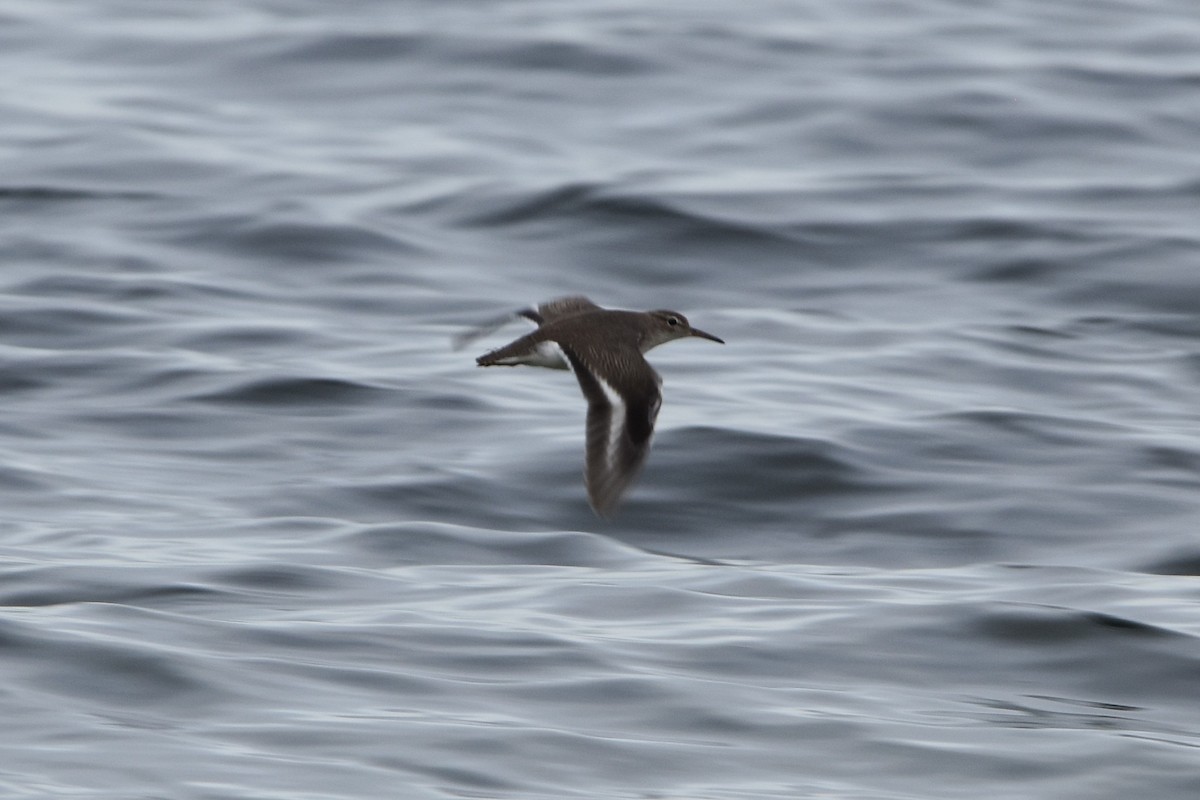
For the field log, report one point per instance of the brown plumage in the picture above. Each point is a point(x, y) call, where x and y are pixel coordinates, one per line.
point(604, 348)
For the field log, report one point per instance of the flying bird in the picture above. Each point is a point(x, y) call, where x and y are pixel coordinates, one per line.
point(605, 349)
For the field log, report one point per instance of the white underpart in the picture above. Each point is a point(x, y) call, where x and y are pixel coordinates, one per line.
point(546, 354)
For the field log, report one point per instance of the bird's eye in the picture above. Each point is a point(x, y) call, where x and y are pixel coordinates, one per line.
point(672, 320)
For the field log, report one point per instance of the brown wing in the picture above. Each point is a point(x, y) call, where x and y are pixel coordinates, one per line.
point(559, 308)
point(550, 311)
point(619, 429)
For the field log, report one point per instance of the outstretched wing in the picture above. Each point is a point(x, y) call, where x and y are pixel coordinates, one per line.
point(554, 310)
point(619, 428)
point(549, 311)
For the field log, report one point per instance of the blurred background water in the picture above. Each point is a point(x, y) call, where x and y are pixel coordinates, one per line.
point(926, 527)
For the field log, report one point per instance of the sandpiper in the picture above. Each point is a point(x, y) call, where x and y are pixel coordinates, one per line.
point(604, 348)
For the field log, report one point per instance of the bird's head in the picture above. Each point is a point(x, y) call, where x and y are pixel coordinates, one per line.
point(667, 326)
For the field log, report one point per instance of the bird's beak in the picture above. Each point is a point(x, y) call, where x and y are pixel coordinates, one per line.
point(708, 336)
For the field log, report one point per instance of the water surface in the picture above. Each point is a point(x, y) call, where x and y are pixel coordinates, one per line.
point(925, 526)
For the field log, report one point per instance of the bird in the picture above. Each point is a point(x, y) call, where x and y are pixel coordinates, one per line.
point(605, 349)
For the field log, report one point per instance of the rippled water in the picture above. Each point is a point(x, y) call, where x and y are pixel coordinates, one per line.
point(927, 526)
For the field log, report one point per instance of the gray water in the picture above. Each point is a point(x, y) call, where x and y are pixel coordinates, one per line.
point(926, 527)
